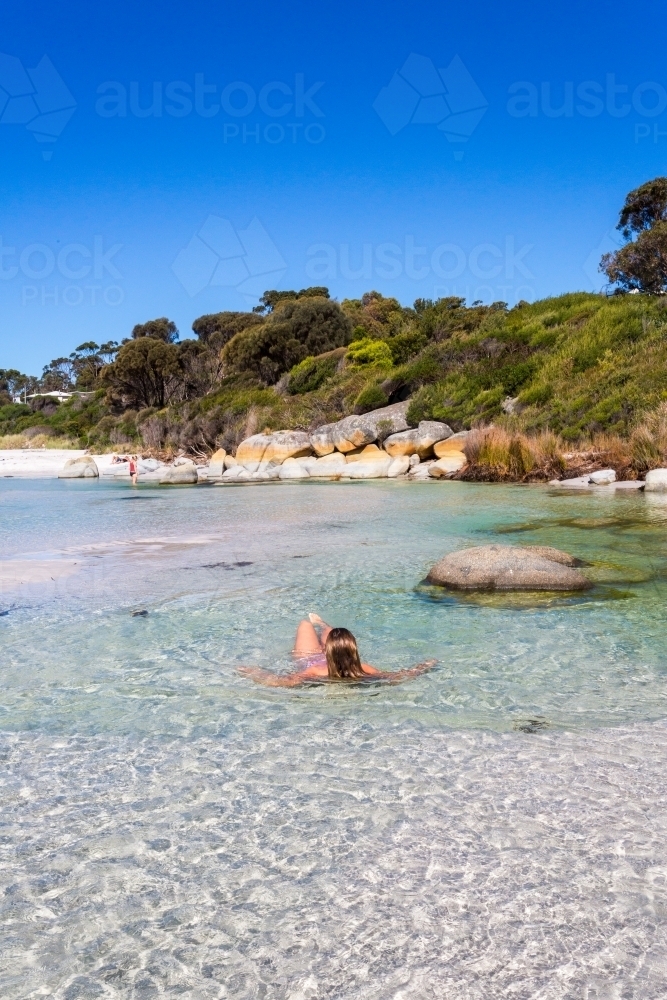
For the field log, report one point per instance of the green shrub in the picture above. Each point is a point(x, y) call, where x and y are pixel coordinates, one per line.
point(536, 395)
point(370, 398)
point(406, 345)
point(369, 352)
point(311, 373)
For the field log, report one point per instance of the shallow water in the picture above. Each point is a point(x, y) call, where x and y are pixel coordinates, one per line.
point(494, 828)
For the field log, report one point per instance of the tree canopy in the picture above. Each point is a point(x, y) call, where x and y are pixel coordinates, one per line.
point(145, 372)
point(159, 329)
point(641, 265)
point(643, 207)
point(297, 327)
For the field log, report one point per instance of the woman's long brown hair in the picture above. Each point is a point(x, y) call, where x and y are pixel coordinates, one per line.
point(342, 655)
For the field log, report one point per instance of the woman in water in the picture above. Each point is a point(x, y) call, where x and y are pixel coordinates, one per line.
point(331, 656)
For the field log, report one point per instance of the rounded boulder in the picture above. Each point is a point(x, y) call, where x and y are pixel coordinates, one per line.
point(453, 444)
point(656, 481)
point(287, 444)
point(79, 468)
point(418, 441)
point(179, 475)
point(447, 465)
point(506, 567)
point(292, 469)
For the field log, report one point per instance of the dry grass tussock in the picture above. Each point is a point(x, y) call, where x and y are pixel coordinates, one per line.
point(11, 441)
point(496, 455)
point(648, 441)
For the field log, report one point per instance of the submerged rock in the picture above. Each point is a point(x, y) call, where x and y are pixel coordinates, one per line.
point(578, 483)
point(79, 468)
point(553, 555)
point(505, 567)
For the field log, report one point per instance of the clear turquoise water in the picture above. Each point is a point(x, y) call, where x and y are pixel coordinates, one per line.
point(495, 828)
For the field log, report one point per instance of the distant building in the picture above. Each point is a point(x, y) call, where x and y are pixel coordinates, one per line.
point(56, 394)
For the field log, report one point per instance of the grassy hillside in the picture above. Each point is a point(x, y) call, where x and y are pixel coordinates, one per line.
point(578, 365)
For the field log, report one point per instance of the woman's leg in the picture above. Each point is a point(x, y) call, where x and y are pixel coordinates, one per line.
point(306, 642)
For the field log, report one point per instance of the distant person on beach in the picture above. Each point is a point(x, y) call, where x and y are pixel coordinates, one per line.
point(133, 469)
point(331, 656)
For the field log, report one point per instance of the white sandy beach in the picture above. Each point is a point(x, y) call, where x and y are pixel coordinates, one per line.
point(42, 463)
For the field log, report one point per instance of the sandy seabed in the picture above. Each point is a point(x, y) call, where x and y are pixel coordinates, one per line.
point(494, 830)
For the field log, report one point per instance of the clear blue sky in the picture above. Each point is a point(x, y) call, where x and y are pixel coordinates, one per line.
point(177, 159)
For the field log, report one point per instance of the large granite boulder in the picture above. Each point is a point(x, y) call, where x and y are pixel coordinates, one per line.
point(447, 465)
point(370, 453)
point(293, 469)
point(655, 481)
point(322, 440)
point(266, 472)
point(399, 467)
point(375, 467)
point(216, 465)
point(603, 477)
point(251, 451)
point(328, 466)
point(420, 471)
point(451, 444)
point(287, 444)
point(184, 474)
point(354, 432)
point(274, 448)
point(236, 474)
point(79, 468)
point(418, 441)
point(506, 567)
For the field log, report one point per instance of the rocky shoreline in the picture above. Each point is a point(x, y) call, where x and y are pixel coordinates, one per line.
point(376, 445)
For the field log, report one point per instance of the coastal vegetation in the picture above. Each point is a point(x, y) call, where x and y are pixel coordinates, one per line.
point(571, 375)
